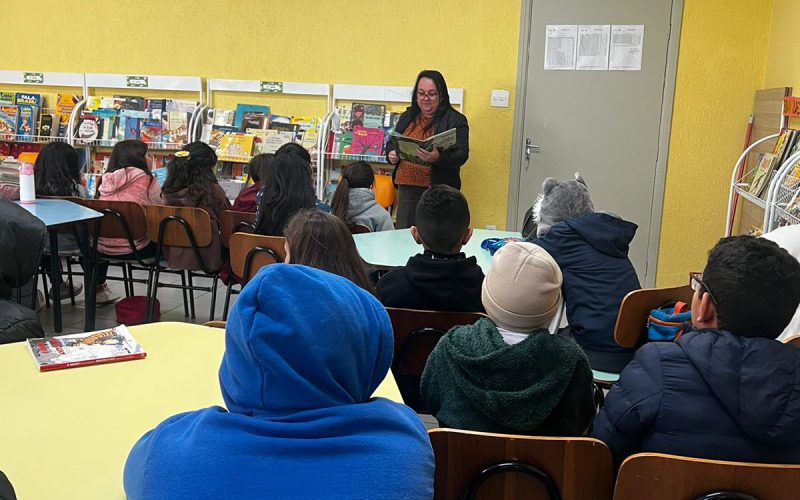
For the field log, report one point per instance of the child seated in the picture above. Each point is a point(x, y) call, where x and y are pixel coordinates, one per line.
point(354, 201)
point(441, 278)
point(246, 200)
point(321, 240)
point(508, 374)
point(304, 352)
point(287, 189)
point(191, 183)
point(591, 249)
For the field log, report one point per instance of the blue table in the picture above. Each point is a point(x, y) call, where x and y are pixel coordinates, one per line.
point(388, 249)
point(57, 214)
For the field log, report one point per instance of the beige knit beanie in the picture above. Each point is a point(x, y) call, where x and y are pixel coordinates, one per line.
point(522, 290)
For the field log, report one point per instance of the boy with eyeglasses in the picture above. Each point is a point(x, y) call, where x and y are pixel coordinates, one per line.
point(726, 390)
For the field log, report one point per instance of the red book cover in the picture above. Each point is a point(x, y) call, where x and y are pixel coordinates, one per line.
point(366, 141)
point(80, 349)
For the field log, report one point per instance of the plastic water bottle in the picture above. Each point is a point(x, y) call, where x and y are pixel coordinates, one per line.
point(27, 187)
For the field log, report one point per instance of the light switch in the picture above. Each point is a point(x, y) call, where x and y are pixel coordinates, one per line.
point(499, 98)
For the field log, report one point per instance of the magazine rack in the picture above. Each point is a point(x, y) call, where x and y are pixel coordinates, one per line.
point(42, 79)
point(379, 94)
point(783, 197)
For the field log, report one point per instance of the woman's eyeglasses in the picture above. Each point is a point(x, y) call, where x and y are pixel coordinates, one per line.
point(696, 282)
point(430, 96)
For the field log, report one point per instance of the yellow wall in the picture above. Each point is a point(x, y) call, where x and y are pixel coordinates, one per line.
point(721, 63)
point(783, 56)
point(472, 42)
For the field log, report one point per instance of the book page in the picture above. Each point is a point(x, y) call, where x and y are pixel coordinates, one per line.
point(627, 41)
point(593, 47)
point(560, 45)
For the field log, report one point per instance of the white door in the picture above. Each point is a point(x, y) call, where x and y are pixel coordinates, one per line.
point(608, 125)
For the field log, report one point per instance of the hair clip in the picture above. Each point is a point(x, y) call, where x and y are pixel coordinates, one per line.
point(182, 154)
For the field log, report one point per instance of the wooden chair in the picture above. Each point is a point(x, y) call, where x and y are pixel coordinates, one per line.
point(630, 329)
point(415, 335)
point(233, 222)
point(795, 341)
point(251, 252)
point(215, 324)
point(557, 467)
point(358, 229)
point(667, 477)
point(184, 227)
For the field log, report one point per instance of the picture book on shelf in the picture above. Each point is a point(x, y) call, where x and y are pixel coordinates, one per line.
point(160, 175)
point(65, 103)
point(48, 125)
point(345, 139)
point(7, 98)
point(27, 115)
point(8, 121)
point(88, 128)
point(134, 102)
point(151, 131)
point(366, 141)
point(367, 115)
point(273, 139)
point(763, 169)
point(26, 98)
point(79, 349)
point(250, 116)
point(223, 117)
point(407, 146)
point(235, 147)
point(177, 130)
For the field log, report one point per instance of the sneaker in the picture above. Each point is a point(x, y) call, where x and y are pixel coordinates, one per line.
point(64, 290)
point(105, 295)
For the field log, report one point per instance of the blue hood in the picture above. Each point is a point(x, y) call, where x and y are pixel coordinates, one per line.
point(607, 234)
point(291, 346)
point(756, 380)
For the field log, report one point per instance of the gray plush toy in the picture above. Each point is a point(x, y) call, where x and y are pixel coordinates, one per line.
point(560, 201)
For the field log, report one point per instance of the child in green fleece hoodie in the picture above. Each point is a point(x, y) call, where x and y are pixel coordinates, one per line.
point(508, 374)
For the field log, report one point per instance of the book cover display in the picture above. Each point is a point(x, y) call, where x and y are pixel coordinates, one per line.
point(407, 146)
point(27, 115)
point(367, 115)
point(250, 116)
point(67, 351)
point(235, 147)
point(8, 121)
point(366, 141)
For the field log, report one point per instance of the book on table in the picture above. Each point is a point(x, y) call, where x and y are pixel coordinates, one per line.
point(80, 349)
point(407, 146)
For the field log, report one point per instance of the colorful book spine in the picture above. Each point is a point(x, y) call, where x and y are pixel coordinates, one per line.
point(26, 121)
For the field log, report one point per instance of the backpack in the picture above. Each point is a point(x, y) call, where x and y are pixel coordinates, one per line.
point(665, 323)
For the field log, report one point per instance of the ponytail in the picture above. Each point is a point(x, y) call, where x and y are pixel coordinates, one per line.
point(341, 198)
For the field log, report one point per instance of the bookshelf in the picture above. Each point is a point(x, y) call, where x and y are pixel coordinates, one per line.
point(391, 96)
point(289, 94)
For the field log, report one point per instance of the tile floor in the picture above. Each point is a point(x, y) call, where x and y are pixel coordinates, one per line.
point(171, 304)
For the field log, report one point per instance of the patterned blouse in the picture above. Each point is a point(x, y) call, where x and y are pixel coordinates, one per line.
point(413, 174)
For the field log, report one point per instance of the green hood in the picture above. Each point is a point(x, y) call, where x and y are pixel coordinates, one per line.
point(542, 385)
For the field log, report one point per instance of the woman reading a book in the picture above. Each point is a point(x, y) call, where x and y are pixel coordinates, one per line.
point(430, 114)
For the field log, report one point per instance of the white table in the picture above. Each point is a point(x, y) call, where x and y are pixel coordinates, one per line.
point(388, 249)
point(56, 214)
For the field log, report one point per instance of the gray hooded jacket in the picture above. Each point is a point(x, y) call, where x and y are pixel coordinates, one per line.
point(364, 210)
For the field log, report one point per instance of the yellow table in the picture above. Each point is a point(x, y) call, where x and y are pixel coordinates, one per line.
point(66, 434)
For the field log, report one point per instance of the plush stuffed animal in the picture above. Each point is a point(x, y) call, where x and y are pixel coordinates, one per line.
point(560, 201)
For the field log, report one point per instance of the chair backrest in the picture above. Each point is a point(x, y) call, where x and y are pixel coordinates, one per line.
point(254, 251)
point(358, 229)
point(631, 323)
point(198, 225)
point(578, 468)
point(121, 219)
point(215, 324)
point(795, 341)
point(666, 477)
point(232, 222)
point(415, 335)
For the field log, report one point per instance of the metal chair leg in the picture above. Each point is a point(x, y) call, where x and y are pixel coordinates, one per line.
point(214, 284)
point(191, 294)
point(185, 298)
point(46, 291)
point(69, 280)
point(125, 278)
point(227, 302)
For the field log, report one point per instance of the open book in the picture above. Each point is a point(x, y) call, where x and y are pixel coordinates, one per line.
point(407, 147)
point(78, 349)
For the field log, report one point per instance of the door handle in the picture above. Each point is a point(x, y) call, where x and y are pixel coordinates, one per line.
point(530, 147)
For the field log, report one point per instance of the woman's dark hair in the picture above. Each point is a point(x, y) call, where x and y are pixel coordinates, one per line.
point(293, 148)
point(127, 153)
point(355, 175)
point(57, 171)
point(258, 166)
point(194, 171)
point(320, 240)
point(441, 88)
point(287, 189)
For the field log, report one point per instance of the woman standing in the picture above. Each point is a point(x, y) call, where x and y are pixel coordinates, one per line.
point(430, 113)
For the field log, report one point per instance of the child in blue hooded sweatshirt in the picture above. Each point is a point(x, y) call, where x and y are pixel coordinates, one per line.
point(304, 351)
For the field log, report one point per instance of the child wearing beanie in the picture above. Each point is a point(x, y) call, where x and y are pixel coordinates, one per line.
point(508, 374)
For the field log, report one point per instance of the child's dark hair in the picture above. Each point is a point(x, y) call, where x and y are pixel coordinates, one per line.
point(293, 148)
point(57, 171)
point(194, 171)
point(322, 241)
point(355, 175)
point(756, 285)
point(287, 189)
point(259, 165)
point(442, 218)
point(127, 153)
